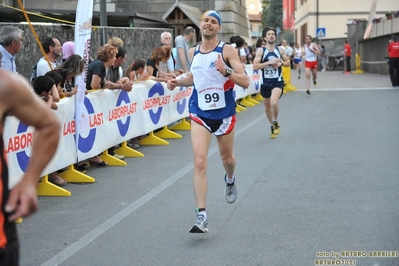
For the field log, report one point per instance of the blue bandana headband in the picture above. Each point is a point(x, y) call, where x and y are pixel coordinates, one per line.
point(214, 14)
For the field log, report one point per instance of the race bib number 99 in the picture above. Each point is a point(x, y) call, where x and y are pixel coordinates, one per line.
point(211, 98)
point(270, 73)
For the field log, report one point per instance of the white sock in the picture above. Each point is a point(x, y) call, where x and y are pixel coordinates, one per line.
point(230, 181)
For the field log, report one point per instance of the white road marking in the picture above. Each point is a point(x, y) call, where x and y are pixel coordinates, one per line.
point(108, 224)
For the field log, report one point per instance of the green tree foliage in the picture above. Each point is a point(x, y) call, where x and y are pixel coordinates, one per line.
point(272, 14)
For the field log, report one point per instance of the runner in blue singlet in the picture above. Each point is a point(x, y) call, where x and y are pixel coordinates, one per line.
point(270, 59)
point(214, 70)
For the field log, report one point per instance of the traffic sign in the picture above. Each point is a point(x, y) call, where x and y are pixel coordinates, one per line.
point(321, 32)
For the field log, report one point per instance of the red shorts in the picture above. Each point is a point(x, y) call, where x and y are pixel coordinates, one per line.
point(311, 64)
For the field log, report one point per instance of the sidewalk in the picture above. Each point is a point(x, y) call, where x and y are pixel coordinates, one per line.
point(338, 80)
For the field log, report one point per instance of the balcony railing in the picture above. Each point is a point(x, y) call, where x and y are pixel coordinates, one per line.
point(256, 34)
point(385, 27)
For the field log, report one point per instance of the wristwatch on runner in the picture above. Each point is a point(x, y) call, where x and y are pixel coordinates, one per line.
point(229, 71)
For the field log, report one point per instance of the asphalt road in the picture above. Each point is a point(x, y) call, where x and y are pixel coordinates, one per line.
point(328, 183)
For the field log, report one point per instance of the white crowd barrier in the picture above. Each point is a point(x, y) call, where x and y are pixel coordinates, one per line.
point(114, 117)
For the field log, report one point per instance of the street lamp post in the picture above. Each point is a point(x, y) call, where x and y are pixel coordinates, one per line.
point(103, 21)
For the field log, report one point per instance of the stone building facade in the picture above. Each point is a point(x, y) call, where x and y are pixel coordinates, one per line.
point(234, 12)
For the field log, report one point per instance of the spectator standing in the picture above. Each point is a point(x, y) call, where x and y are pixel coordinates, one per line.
point(53, 49)
point(21, 201)
point(96, 69)
point(10, 45)
point(166, 39)
point(115, 41)
point(348, 54)
point(393, 55)
point(68, 49)
point(287, 49)
point(259, 44)
point(323, 57)
point(106, 55)
point(158, 55)
point(182, 45)
point(114, 73)
point(238, 43)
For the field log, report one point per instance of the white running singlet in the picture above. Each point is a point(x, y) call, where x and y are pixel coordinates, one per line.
point(209, 83)
point(309, 55)
point(298, 53)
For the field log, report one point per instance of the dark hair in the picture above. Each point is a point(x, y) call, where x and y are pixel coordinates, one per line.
point(55, 76)
point(43, 84)
point(49, 41)
point(121, 52)
point(310, 37)
point(233, 38)
point(137, 64)
point(240, 42)
point(259, 43)
point(266, 29)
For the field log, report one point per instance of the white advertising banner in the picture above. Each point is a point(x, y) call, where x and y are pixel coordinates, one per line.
point(113, 117)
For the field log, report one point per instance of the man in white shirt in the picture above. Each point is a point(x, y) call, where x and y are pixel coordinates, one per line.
point(166, 38)
point(10, 45)
point(53, 49)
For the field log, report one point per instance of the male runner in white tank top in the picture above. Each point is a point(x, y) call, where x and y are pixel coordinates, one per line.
point(214, 70)
point(310, 52)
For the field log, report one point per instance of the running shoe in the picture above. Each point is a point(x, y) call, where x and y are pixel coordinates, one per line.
point(308, 91)
point(230, 193)
point(314, 82)
point(201, 226)
point(272, 134)
point(276, 127)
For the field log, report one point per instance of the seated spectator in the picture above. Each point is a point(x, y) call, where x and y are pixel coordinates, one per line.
point(96, 69)
point(158, 55)
point(73, 66)
point(137, 71)
point(44, 86)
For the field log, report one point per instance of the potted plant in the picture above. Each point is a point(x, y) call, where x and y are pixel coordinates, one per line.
point(376, 20)
point(388, 15)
